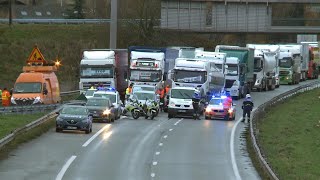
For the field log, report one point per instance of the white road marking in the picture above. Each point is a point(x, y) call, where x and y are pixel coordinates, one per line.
point(122, 117)
point(157, 153)
point(160, 144)
point(154, 163)
point(65, 167)
point(165, 136)
point(95, 135)
point(233, 158)
point(178, 122)
point(170, 129)
point(153, 174)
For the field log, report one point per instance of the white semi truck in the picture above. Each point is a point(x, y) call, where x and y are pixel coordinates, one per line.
point(266, 69)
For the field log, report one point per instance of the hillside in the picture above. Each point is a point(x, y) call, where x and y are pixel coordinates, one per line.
point(68, 41)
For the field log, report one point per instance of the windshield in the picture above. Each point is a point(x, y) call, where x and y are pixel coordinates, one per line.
point(143, 88)
point(219, 66)
point(74, 110)
point(112, 97)
point(286, 62)
point(216, 102)
point(27, 87)
point(97, 102)
point(190, 76)
point(258, 64)
point(182, 93)
point(232, 70)
point(98, 72)
point(90, 92)
point(145, 76)
point(144, 96)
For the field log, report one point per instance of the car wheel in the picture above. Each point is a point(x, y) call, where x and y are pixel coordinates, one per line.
point(112, 119)
point(88, 131)
point(207, 117)
point(58, 130)
point(170, 115)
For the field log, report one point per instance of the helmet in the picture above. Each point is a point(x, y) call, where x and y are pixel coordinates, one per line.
point(248, 96)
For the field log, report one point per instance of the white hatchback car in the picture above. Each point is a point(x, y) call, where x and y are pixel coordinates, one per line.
point(114, 97)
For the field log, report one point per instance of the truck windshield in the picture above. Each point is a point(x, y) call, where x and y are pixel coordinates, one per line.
point(258, 64)
point(96, 72)
point(182, 93)
point(286, 62)
point(184, 76)
point(219, 66)
point(232, 70)
point(27, 87)
point(146, 76)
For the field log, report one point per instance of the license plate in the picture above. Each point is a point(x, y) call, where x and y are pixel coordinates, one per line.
point(71, 127)
point(182, 111)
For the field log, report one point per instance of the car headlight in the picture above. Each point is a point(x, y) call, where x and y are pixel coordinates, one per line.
point(106, 112)
point(208, 109)
point(59, 119)
point(37, 99)
point(172, 104)
point(13, 101)
point(230, 111)
point(85, 121)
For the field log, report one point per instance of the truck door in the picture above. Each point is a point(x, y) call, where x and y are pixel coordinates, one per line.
point(47, 91)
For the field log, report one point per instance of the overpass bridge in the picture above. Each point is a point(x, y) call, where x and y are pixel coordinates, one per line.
point(240, 16)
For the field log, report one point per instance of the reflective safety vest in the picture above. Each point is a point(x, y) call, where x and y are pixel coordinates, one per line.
point(5, 95)
point(128, 90)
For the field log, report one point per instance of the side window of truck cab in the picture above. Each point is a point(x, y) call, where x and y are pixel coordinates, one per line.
point(45, 90)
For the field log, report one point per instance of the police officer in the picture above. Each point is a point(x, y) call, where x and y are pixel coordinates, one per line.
point(196, 104)
point(129, 91)
point(247, 107)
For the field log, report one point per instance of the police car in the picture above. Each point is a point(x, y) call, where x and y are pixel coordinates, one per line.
point(114, 97)
point(220, 107)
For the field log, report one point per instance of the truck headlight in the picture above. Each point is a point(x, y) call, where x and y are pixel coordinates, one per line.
point(106, 112)
point(37, 100)
point(13, 101)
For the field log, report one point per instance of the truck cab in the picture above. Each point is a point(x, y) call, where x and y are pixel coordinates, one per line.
point(290, 66)
point(36, 85)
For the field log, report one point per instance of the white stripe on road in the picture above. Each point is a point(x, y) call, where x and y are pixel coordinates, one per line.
point(233, 158)
point(65, 167)
point(95, 135)
point(178, 122)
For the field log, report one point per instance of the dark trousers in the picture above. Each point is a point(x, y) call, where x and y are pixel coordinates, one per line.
point(196, 110)
point(246, 113)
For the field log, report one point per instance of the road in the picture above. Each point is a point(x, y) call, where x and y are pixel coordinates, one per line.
point(179, 149)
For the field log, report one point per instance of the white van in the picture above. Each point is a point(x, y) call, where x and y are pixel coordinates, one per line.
point(180, 102)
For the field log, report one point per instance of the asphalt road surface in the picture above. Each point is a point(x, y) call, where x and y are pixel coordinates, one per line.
point(177, 149)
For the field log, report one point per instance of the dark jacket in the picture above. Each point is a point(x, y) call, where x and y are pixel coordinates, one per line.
point(247, 105)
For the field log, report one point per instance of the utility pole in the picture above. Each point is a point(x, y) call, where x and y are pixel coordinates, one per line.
point(113, 24)
point(10, 12)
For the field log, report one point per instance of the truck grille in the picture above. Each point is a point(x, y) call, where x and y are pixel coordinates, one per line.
point(283, 73)
point(87, 85)
point(229, 83)
point(24, 101)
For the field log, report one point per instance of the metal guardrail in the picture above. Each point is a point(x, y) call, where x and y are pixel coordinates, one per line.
point(258, 115)
point(27, 127)
point(39, 108)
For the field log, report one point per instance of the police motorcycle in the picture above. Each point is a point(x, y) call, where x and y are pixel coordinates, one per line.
point(132, 105)
point(149, 109)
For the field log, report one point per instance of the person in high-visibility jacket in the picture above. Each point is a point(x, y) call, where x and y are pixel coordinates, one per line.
point(129, 89)
point(5, 97)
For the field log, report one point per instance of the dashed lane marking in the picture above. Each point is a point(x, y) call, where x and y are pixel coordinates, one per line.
point(65, 167)
point(95, 135)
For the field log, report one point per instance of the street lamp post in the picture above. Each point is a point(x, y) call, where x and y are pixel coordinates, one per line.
point(113, 24)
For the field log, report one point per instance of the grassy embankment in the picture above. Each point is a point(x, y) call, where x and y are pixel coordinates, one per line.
point(9, 123)
point(289, 136)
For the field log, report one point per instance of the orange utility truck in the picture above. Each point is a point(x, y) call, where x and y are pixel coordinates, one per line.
point(38, 83)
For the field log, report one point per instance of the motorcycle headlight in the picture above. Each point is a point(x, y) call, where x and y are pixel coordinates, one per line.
point(106, 112)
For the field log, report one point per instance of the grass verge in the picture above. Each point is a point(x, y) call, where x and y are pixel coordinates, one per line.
point(25, 137)
point(289, 137)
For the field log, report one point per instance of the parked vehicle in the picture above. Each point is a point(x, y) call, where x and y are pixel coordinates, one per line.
point(37, 84)
point(132, 105)
point(74, 118)
point(102, 109)
point(218, 109)
point(308, 59)
point(246, 64)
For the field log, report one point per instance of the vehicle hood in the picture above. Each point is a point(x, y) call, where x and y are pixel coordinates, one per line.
point(181, 101)
point(218, 107)
point(96, 108)
point(72, 117)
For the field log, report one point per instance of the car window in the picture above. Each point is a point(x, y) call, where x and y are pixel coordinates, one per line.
point(98, 102)
point(112, 97)
point(216, 102)
point(74, 110)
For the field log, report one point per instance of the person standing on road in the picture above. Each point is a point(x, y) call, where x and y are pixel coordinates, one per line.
point(5, 97)
point(247, 107)
point(196, 105)
point(161, 93)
